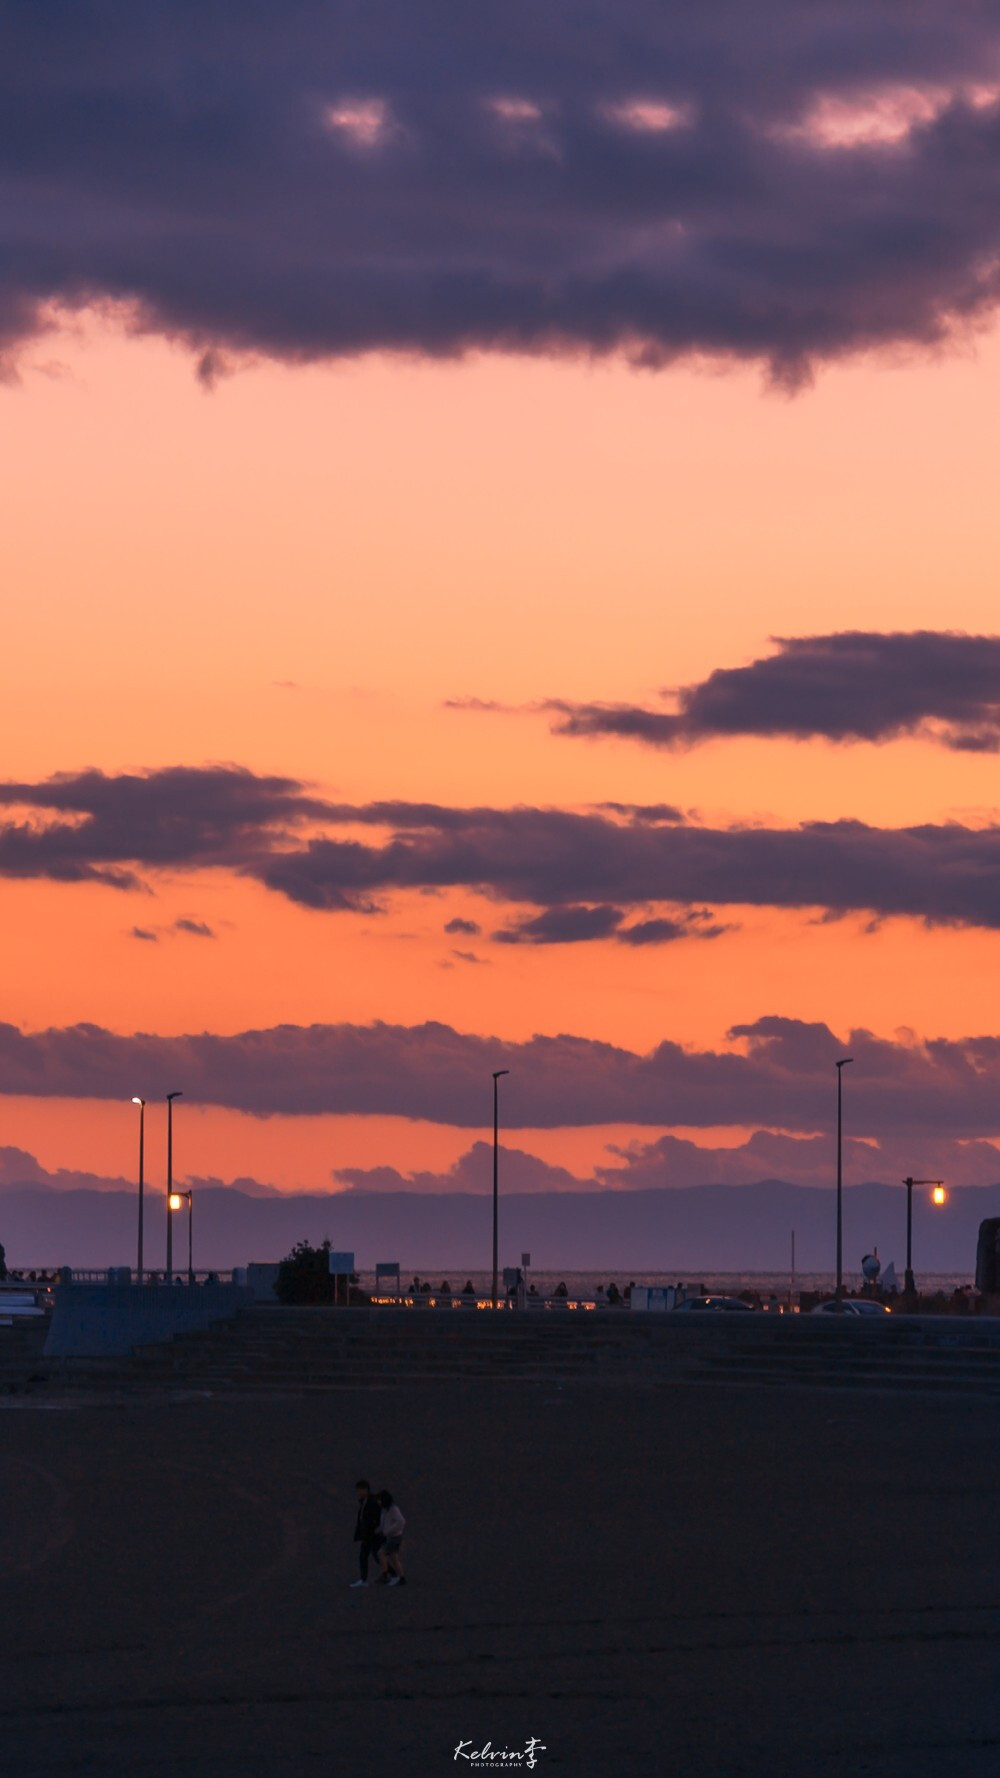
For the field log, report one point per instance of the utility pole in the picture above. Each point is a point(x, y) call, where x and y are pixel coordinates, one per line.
point(841, 1065)
point(142, 1177)
point(498, 1075)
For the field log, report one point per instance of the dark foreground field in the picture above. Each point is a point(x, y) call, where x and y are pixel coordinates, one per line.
point(727, 1581)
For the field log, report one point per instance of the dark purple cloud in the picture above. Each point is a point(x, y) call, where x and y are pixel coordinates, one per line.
point(673, 1163)
point(551, 860)
point(568, 925)
point(194, 928)
point(779, 1073)
point(472, 1172)
point(555, 858)
point(577, 925)
point(854, 686)
point(695, 923)
point(179, 816)
point(656, 177)
point(668, 1163)
point(464, 928)
point(18, 1169)
point(656, 814)
point(628, 722)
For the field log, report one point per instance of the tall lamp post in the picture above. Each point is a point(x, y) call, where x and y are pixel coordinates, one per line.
point(939, 1196)
point(142, 1176)
point(841, 1065)
point(175, 1202)
point(498, 1075)
point(170, 1184)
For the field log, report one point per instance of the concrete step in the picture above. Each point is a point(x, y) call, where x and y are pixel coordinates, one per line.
point(269, 1349)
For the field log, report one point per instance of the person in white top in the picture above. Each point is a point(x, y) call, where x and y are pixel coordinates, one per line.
point(391, 1526)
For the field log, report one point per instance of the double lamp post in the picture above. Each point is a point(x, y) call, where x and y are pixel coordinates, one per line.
point(174, 1198)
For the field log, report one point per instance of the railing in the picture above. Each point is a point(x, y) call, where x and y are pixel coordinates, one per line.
point(209, 1275)
point(45, 1277)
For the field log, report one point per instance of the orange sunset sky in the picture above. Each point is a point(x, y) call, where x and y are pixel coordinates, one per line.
point(296, 569)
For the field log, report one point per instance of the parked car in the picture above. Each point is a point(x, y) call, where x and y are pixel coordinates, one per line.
point(717, 1304)
point(852, 1306)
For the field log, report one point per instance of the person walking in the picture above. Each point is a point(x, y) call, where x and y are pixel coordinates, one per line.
point(367, 1535)
point(391, 1524)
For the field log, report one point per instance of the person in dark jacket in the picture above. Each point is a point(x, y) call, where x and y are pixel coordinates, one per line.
point(367, 1535)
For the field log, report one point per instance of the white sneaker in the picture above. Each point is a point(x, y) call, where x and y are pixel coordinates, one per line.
point(359, 1583)
point(394, 1581)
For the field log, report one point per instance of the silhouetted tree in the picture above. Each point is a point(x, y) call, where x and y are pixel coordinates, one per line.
point(304, 1277)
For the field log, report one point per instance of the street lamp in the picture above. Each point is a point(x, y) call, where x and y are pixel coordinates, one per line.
point(170, 1183)
point(142, 1137)
point(174, 1203)
point(841, 1065)
point(939, 1194)
point(499, 1073)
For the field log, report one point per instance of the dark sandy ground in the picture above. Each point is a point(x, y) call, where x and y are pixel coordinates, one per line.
point(727, 1581)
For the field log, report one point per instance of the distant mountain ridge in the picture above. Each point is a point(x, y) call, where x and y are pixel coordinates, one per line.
point(685, 1228)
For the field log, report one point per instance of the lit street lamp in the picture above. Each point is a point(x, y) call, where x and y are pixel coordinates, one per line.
point(938, 1196)
point(170, 1184)
point(496, 1167)
point(174, 1203)
point(841, 1065)
point(142, 1136)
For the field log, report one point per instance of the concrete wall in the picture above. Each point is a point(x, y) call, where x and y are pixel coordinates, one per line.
point(262, 1280)
point(98, 1320)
